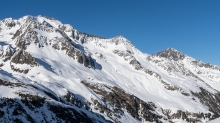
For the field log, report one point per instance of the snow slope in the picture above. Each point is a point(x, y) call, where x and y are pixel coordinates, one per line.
point(55, 58)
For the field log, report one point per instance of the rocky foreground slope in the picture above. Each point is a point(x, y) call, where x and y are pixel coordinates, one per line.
point(50, 72)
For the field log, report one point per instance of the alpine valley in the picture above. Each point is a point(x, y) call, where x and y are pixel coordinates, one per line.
point(50, 73)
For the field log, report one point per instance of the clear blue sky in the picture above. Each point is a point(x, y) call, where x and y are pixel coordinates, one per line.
point(190, 26)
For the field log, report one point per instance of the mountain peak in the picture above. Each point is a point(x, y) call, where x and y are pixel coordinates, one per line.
point(171, 49)
point(120, 37)
point(171, 54)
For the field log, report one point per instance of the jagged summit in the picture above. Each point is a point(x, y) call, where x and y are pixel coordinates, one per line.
point(172, 49)
point(120, 37)
point(171, 54)
point(122, 40)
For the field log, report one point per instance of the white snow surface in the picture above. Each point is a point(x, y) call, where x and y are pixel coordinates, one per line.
point(215, 121)
point(61, 73)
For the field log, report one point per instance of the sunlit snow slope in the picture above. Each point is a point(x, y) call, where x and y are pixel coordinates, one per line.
point(55, 73)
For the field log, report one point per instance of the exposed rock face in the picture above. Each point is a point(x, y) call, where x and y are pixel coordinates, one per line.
point(70, 115)
point(35, 108)
point(211, 100)
point(206, 65)
point(72, 98)
point(6, 52)
point(171, 54)
point(173, 63)
point(29, 35)
point(101, 56)
point(127, 55)
point(72, 51)
point(18, 32)
point(19, 111)
point(25, 71)
point(9, 22)
point(22, 57)
point(121, 40)
point(80, 36)
point(121, 101)
point(186, 116)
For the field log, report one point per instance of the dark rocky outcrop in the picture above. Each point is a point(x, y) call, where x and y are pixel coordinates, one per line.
point(35, 100)
point(6, 52)
point(63, 43)
point(127, 55)
point(121, 40)
point(121, 101)
point(13, 111)
point(22, 110)
point(205, 65)
point(25, 71)
point(81, 36)
point(186, 116)
point(23, 57)
point(10, 84)
point(209, 99)
point(101, 56)
point(69, 115)
point(73, 99)
point(17, 33)
point(174, 66)
point(173, 87)
point(31, 107)
point(72, 51)
point(171, 54)
point(8, 22)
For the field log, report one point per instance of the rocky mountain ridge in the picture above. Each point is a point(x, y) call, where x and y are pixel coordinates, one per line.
point(48, 67)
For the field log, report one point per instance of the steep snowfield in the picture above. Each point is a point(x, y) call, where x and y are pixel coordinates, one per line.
point(171, 85)
point(215, 121)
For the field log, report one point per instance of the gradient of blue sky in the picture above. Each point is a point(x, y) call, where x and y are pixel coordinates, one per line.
point(190, 26)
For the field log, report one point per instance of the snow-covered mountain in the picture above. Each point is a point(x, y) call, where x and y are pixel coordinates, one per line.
point(50, 72)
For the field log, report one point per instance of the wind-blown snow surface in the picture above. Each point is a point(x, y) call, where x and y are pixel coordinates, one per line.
point(63, 57)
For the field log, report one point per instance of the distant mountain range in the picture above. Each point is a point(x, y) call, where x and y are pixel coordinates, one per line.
point(50, 72)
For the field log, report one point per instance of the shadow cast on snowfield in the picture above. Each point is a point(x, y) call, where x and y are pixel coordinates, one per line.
point(45, 65)
point(3, 43)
